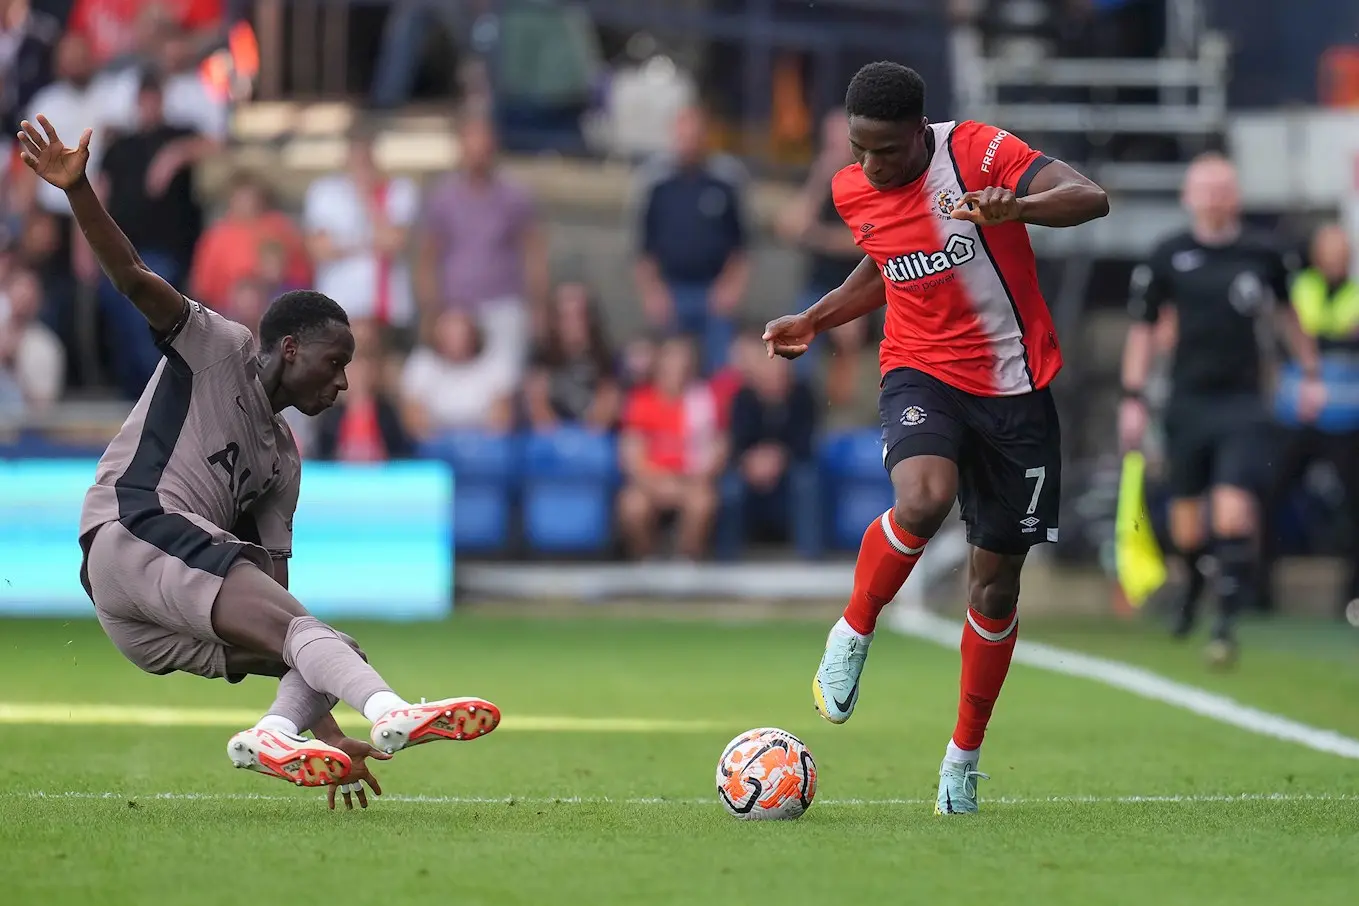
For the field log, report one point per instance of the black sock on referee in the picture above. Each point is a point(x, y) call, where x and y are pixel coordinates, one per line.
point(1235, 568)
point(1195, 574)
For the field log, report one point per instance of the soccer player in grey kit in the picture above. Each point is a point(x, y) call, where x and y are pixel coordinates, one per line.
point(187, 530)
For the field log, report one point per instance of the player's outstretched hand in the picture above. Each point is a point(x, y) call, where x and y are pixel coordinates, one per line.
point(46, 156)
point(789, 336)
point(987, 207)
point(359, 752)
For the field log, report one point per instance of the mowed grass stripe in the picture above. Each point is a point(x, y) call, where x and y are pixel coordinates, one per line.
point(1187, 799)
point(64, 713)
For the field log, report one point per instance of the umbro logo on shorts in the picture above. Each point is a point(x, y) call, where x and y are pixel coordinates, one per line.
point(1030, 524)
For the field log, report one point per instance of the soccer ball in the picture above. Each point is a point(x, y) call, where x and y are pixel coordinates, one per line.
point(766, 774)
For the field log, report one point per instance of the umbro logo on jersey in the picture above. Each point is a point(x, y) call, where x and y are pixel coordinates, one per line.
point(918, 265)
point(866, 228)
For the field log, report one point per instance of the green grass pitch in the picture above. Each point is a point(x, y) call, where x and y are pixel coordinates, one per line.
point(1097, 796)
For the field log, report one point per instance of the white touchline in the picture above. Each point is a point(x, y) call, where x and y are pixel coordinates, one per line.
point(606, 800)
point(924, 625)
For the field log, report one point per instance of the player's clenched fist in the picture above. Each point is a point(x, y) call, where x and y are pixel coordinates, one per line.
point(988, 207)
point(789, 336)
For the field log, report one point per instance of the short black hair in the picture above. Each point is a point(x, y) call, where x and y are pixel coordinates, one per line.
point(888, 92)
point(298, 314)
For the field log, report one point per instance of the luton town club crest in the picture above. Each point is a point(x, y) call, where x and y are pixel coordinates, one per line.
point(945, 202)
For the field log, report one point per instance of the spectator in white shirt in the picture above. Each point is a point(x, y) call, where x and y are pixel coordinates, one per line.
point(73, 103)
point(76, 101)
point(356, 224)
point(188, 102)
point(32, 360)
point(460, 382)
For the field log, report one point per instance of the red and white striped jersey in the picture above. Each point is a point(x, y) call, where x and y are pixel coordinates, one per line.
point(963, 302)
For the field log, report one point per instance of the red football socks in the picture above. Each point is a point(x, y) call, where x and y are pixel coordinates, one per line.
point(887, 555)
point(988, 646)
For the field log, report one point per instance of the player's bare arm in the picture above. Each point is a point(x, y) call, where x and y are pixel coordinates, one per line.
point(861, 293)
point(43, 151)
point(1058, 196)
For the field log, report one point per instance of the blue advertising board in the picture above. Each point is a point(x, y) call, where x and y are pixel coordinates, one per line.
point(370, 542)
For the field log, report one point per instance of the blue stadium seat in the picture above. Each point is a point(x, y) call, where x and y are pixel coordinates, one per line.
point(569, 479)
point(486, 470)
point(855, 454)
point(476, 454)
point(856, 487)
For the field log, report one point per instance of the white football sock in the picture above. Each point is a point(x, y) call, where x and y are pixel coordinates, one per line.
point(278, 724)
point(961, 756)
point(379, 703)
point(844, 628)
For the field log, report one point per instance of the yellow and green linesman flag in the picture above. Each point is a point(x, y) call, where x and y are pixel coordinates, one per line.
point(1138, 561)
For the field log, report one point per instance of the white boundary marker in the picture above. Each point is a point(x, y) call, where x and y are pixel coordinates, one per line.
point(921, 624)
point(608, 800)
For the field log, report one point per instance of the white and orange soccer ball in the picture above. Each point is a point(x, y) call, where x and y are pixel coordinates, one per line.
point(766, 774)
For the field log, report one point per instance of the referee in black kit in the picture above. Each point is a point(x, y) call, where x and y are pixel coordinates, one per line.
point(1224, 287)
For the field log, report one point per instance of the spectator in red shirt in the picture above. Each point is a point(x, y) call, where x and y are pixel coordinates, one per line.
point(365, 424)
point(234, 247)
point(112, 26)
point(671, 451)
point(245, 303)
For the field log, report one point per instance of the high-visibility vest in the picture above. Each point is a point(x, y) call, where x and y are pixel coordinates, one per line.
point(1323, 314)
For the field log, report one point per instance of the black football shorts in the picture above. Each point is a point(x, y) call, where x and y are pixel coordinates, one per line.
point(1008, 450)
point(1217, 441)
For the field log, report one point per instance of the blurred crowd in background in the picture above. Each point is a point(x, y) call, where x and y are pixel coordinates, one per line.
point(464, 326)
point(460, 325)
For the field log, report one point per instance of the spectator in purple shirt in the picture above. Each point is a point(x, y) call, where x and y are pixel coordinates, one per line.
point(482, 250)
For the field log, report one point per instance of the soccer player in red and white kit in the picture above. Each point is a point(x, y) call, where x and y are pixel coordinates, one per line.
point(940, 212)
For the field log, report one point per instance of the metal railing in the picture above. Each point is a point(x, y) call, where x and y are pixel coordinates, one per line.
point(305, 47)
point(1205, 77)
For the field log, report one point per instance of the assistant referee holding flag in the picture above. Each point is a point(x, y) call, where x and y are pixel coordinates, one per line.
point(1222, 285)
